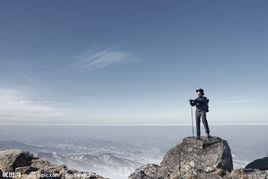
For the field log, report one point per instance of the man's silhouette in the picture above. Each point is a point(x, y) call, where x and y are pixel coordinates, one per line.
point(201, 103)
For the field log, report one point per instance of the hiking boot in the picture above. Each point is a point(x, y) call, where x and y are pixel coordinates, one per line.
point(197, 138)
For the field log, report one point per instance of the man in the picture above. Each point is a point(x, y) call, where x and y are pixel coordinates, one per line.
point(201, 103)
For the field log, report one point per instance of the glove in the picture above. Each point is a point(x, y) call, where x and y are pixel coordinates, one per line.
point(192, 103)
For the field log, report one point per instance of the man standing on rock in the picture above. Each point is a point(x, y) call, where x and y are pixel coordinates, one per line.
point(201, 103)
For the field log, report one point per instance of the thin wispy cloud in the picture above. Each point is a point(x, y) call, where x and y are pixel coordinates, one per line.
point(96, 59)
point(239, 99)
point(16, 106)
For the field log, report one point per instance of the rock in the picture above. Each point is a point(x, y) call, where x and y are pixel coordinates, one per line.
point(11, 159)
point(46, 167)
point(261, 164)
point(25, 170)
point(197, 156)
point(25, 166)
point(192, 158)
point(149, 171)
point(219, 172)
point(248, 174)
point(201, 159)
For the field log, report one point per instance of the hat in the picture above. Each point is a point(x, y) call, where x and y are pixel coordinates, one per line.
point(200, 90)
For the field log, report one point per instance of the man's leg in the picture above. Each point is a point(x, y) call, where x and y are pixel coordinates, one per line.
point(197, 118)
point(205, 122)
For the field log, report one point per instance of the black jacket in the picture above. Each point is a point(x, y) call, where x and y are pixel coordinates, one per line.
point(201, 103)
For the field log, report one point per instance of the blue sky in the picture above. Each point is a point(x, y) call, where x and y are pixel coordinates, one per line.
point(132, 62)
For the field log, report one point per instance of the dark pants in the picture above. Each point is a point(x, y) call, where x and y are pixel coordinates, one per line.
point(202, 115)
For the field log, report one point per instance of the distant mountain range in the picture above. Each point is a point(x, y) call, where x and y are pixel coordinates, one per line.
point(105, 163)
point(12, 144)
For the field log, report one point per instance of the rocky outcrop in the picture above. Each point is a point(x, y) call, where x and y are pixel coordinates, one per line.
point(248, 174)
point(149, 171)
point(12, 159)
point(197, 159)
point(261, 164)
point(23, 165)
point(191, 157)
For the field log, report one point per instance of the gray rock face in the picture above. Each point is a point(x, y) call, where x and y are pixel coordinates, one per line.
point(248, 174)
point(31, 167)
point(201, 159)
point(191, 157)
point(261, 164)
point(149, 171)
point(11, 159)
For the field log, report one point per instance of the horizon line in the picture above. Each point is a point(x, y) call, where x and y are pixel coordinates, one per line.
point(128, 124)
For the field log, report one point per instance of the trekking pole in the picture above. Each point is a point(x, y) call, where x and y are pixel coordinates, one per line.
point(192, 116)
